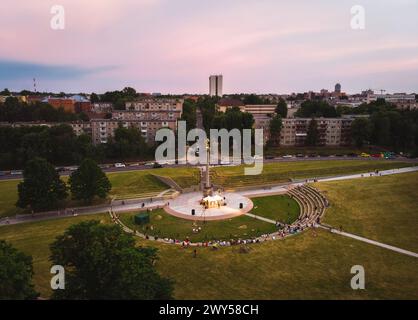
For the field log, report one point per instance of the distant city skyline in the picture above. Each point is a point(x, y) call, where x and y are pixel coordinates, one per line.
point(173, 46)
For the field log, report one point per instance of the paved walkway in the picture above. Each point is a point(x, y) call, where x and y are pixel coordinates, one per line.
point(260, 218)
point(376, 243)
point(350, 235)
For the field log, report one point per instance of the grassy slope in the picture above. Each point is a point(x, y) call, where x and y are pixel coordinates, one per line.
point(168, 226)
point(124, 184)
point(304, 266)
point(283, 171)
point(380, 208)
point(8, 198)
point(300, 267)
point(34, 239)
point(279, 207)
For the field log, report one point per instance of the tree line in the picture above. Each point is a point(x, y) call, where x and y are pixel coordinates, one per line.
point(60, 146)
point(12, 110)
point(387, 127)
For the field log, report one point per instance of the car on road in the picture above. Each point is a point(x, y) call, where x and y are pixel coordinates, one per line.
point(365, 155)
point(300, 155)
point(287, 156)
point(353, 155)
point(16, 172)
point(134, 164)
point(120, 165)
point(377, 155)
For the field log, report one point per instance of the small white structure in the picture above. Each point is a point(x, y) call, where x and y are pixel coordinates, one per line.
point(215, 201)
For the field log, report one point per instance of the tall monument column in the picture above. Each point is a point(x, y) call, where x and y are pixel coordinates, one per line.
point(208, 190)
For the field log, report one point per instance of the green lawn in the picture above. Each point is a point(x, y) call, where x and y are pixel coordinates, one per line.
point(34, 239)
point(380, 208)
point(323, 151)
point(126, 184)
point(279, 207)
point(168, 226)
point(306, 266)
point(8, 198)
point(278, 172)
point(142, 183)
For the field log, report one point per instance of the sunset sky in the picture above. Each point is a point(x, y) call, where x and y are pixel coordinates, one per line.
point(172, 46)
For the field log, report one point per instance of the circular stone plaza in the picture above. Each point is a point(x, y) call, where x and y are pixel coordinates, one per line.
point(189, 206)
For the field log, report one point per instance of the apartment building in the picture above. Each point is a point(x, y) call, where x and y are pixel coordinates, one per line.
point(155, 104)
point(331, 131)
point(79, 127)
point(148, 115)
point(400, 100)
point(103, 129)
point(215, 85)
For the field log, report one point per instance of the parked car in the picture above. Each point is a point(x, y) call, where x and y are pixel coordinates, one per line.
point(120, 165)
point(300, 155)
point(365, 155)
point(16, 172)
point(287, 156)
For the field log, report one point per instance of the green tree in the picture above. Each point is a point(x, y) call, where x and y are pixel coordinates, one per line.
point(282, 108)
point(41, 187)
point(102, 262)
point(189, 114)
point(312, 137)
point(275, 129)
point(247, 120)
point(89, 181)
point(313, 108)
point(360, 131)
point(16, 273)
point(127, 143)
point(94, 98)
point(5, 92)
point(252, 99)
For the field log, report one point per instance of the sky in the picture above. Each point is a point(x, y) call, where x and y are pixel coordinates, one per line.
point(172, 46)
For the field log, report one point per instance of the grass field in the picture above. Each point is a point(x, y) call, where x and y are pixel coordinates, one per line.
point(168, 226)
point(126, 184)
point(8, 198)
point(279, 207)
point(306, 266)
point(34, 239)
point(380, 208)
point(322, 151)
point(278, 172)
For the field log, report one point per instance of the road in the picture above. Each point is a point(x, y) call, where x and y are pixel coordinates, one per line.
point(294, 159)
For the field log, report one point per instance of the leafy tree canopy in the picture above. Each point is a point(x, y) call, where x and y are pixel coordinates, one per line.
point(102, 262)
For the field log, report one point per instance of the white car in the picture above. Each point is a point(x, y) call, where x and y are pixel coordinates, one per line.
point(288, 156)
point(119, 165)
